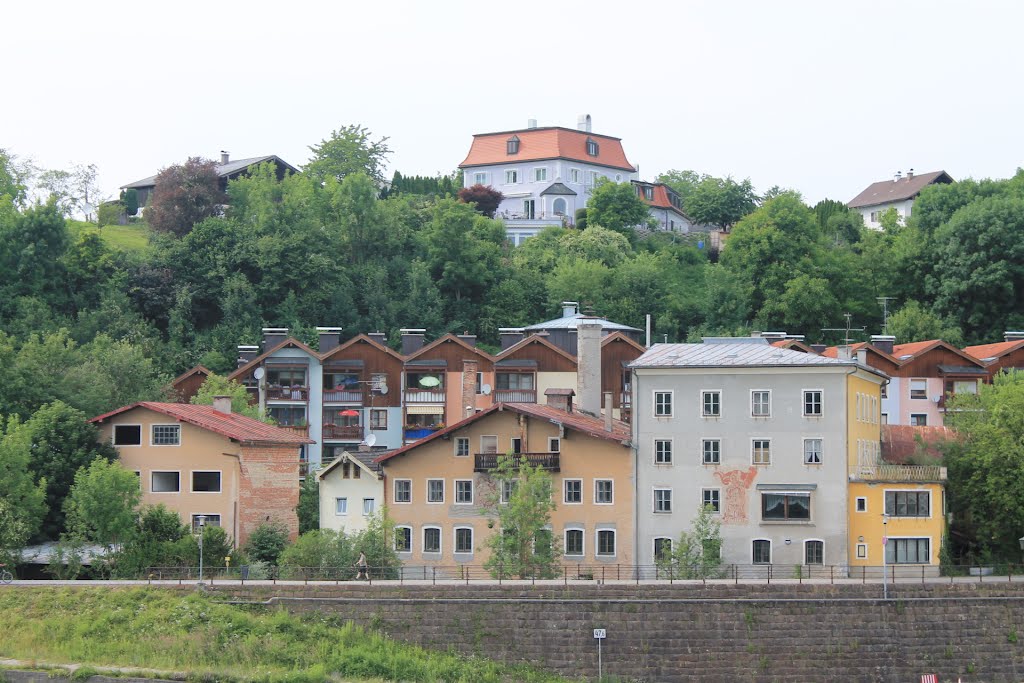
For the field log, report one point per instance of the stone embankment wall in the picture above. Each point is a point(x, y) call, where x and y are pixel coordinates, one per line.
point(685, 632)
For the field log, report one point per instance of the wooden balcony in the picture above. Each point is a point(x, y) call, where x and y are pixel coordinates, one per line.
point(287, 393)
point(346, 432)
point(435, 395)
point(625, 399)
point(898, 473)
point(486, 462)
point(351, 396)
point(302, 430)
point(515, 395)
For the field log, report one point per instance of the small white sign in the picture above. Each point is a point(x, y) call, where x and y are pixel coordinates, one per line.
point(599, 633)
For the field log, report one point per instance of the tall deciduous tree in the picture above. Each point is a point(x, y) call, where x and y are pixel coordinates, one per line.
point(615, 206)
point(184, 195)
point(521, 544)
point(720, 202)
point(218, 385)
point(101, 507)
point(348, 150)
point(24, 500)
point(913, 322)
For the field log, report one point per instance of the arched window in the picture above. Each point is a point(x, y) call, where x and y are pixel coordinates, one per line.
point(558, 207)
point(512, 145)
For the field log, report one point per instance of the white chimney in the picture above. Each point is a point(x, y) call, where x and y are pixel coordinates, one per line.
point(607, 411)
point(588, 366)
point(910, 174)
point(224, 157)
point(899, 174)
point(531, 123)
point(222, 404)
point(569, 308)
point(583, 123)
point(1012, 335)
point(844, 352)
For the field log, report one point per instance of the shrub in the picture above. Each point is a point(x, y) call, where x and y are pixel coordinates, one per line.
point(267, 542)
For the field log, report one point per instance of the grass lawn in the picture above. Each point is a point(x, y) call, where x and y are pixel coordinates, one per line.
point(164, 630)
point(133, 237)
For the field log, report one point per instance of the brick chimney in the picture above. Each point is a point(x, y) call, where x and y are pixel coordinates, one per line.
point(469, 370)
point(560, 399)
point(246, 354)
point(884, 342)
point(272, 336)
point(330, 338)
point(588, 366)
point(222, 404)
point(412, 339)
point(510, 336)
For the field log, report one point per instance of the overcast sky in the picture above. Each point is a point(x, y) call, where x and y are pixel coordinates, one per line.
point(822, 97)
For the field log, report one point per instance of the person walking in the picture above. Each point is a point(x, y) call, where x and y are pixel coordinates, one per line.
point(361, 567)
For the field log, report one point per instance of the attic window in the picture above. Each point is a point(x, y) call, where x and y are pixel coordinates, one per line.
point(512, 145)
point(649, 194)
point(592, 148)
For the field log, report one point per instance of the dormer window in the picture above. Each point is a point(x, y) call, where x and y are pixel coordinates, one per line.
point(649, 194)
point(592, 148)
point(512, 145)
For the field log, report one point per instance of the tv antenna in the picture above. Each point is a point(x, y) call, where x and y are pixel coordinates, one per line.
point(884, 302)
point(845, 330)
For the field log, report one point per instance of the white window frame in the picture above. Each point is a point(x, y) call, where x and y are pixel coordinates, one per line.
point(910, 384)
point(821, 402)
point(597, 542)
point(460, 440)
point(455, 540)
point(394, 492)
point(821, 450)
point(931, 503)
point(373, 507)
point(554, 444)
point(893, 541)
point(505, 494)
point(814, 540)
point(752, 404)
point(760, 464)
point(192, 482)
point(512, 444)
point(435, 502)
point(206, 519)
point(703, 502)
point(770, 550)
point(409, 529)
point(538, 171)
point(565, 492)
point(511, 176)
point(924, 415)
point(440, 540)
point(703, 451)
point(337, 500)
point(164, 493)
point(113, 436)
point(597, 498)
point(575, 176)
point(152, 435)
point(665, 499)
point(483, 449)
point(654, 547)
point(857, 504)
point(583, 541)
point(662, 443)
point(480, 178)
point(705, 392)
point(671, 402)
point(862, 551)
point(472, 493)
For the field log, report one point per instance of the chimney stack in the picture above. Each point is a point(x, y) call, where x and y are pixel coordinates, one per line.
point(588, 366)
point(224, 157)
point(246, 354)
point(378, 337)
point(818, 348)
point(560, 399)
point(222, 404)
point(468, 338)
point(510, 336)
point(884, 342)
point(1012, 336)
point(910, 174)
point(570, 308)
point(330, 338)
point(862, 356)
point(896, 178)
point(843, 352)
point(773, 336)
point(470, 368)
point(412, 339)
point(607, 411)
point(531, 123)
point(583, 123)
point(272, 336)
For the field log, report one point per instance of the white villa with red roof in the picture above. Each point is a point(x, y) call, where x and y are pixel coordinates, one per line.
point(898, 193)
point(545, 173)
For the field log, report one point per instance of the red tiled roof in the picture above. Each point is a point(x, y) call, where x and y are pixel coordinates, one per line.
point(232, 425)
point(900, 442)
point(905, 352)
point(987, 351)
point(660, 200)
point(833, 351)
point(592, 426)
point(794, 344)
point(886, 191)
point(546, 143)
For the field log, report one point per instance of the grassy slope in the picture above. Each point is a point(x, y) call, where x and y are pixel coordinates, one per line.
point(132, 238)
point(161, 629)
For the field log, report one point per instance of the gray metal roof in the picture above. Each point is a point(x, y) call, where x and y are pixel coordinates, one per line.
point(573, 321)
point(738, 352)
point(222, 169)
point(559, 188)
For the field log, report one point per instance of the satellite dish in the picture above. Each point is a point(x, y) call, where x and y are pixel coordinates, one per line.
point(486, 389)
point(258, 373)
point(371, 439)
point(383, 389)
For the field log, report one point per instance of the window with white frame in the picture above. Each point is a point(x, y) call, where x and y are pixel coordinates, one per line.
point(463, 540)
point(885, 390)
point(435, 490)
point(862, 551)
point(761, 403)
point(662, 501)
point(165, 482)
point(403, 539)
point(594, 177)
point(812, 451)
point(368, 507)
point(573, 491)
point(761, 452)
point(711, 450)
point(780, 507)
point(479, 178)
point(814, 552)
point(378, 419)
point(862, 504)
point(508, 486)
point(208, 520)
point(463, 491)
point(663, 451)
point(711, 498)
point(540, 174)
point(908, 503)
point(554, 444)
point(403, 490)
point(919, 388)
point(603, 491)
point(166, 435)
point(341, 506)
point(511, 176)
point(127, 435)
point(206, 482)
point(431, 539)
point(711, 403)
point(663, 404)
point(574, 541)
point(516, 444)
point(812, 403)
point(762, 551)
point(605, 542)
point(662, 549)
point(574, 175)
point(592, 147)
point(918, 420)
point(512, 145)
point(462, 446)
point(908, 550)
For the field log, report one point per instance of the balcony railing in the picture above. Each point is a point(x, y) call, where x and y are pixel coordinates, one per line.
point(890, 472)
point(515, 395)
point(302, 430)
point(349, 432)
point(625, 399)
point(485, 462)
point(424, 395)
point(343, 396)
point(414, 433)
point(287, 393)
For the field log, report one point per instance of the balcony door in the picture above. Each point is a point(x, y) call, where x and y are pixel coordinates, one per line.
point(529, 209)
point(488, 444)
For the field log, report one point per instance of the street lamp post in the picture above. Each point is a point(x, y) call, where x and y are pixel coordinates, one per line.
point(202, 524)
point(1021, 541)
point(885, 544)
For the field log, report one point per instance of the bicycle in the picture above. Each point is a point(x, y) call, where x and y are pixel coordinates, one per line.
point(5, 576)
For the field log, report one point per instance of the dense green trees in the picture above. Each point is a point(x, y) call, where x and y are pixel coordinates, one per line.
point(348, 150)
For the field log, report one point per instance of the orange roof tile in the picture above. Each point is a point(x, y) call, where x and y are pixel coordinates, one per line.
point(232, 425)
point(913, 348)
point(987, 351)
point(546, 143)
point(833, 351)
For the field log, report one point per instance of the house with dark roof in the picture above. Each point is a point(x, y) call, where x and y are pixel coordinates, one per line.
point(545, 173)
point(208, 463)
point(351, 490)
point(898, 193)
point(227, 170)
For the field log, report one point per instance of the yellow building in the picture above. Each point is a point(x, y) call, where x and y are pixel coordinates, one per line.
point(435, 487)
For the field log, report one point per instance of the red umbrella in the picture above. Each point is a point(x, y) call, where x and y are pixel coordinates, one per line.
point(349, 413)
